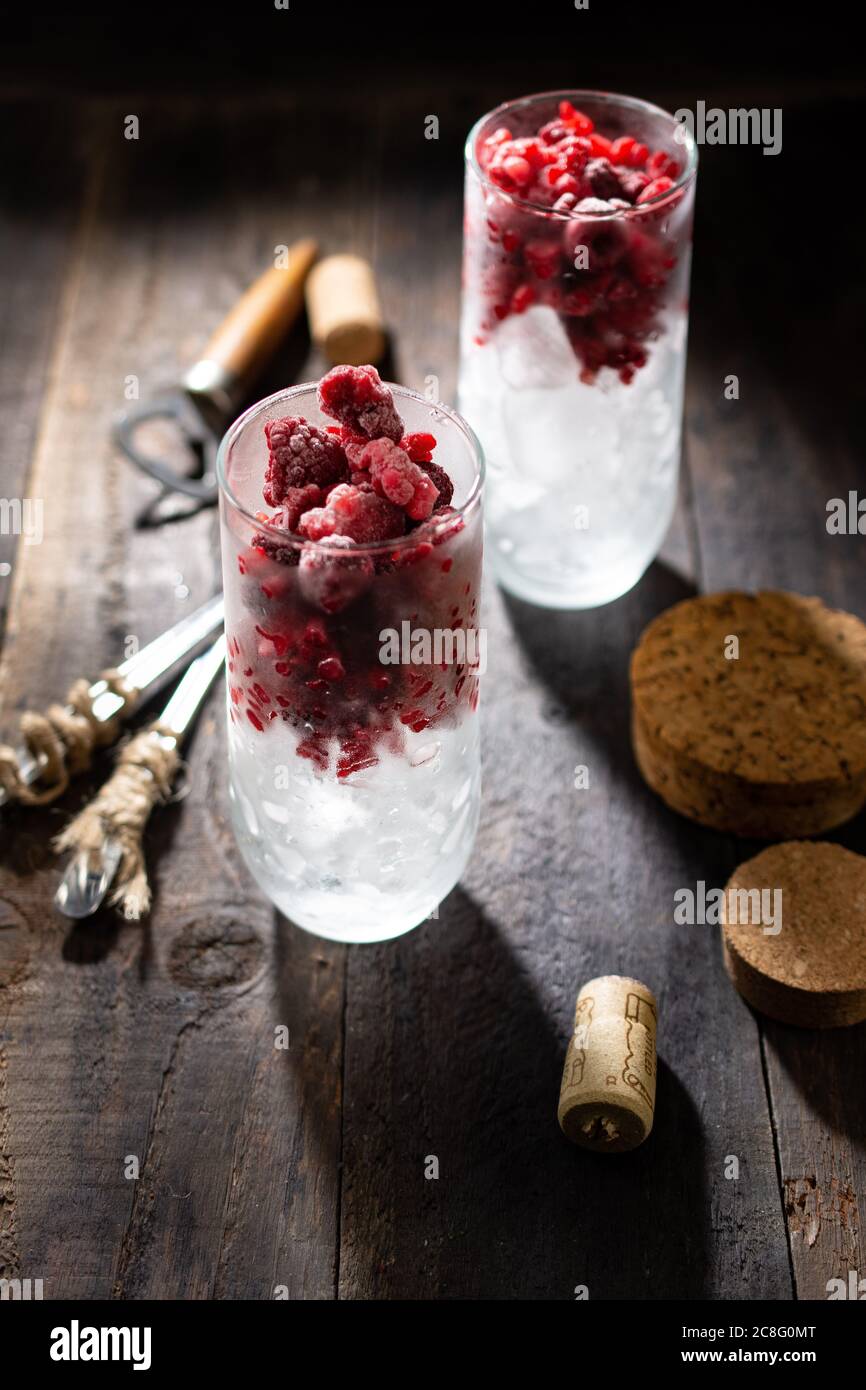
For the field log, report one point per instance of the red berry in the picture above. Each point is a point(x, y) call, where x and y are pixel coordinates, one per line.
point(299, 454)
point(567, 183)
point(318, 523)
point(578, 303)
point(542, 258)
point(518, 170)
point(621, 149)
point(359, 399)
point(395, 477)
point(297, 501)
point(661, 165)
point(602, 178)
point(575, 119)
point(553, 132)
point(632, 182)
point(522, 298)
point(574, 153)
point(331, 668)
point(442, 483)
point(419, 446)
point(655, 189)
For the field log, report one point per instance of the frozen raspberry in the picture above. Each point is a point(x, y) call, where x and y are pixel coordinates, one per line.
point(352, 443)
point(594, 207)
point(574, 153)
point(518, 170)
point(396, 477)
point(607, 299)
point(567, 183)
point(297, 501)
point(554, 132)
point(300, 454)
point(542, 258)
point(442, 483)
point(331, 582)
point(575, 119)
point(489, 146)
point(601, 146)
point(522, 298)
point(419, 446)
point(632, 183)
point(602, 178)
point(622, 148)
point(605, 239)
point(318, 523)
point(660, 165)
point(363, 516)
point(655, 189)
point(359, 399)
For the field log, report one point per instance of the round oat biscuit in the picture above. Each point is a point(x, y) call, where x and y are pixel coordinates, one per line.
point(809, 967)
point(749, 712)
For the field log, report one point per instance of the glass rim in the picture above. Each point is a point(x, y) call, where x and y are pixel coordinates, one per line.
point(689, 145)
point(413, 538)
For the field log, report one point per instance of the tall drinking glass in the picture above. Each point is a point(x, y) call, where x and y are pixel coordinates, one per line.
point(572, 358)
point(353, 727)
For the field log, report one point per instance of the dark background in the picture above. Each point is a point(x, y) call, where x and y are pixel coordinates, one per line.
point(116, 47)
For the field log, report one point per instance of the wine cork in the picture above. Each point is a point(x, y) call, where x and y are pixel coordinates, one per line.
point(608, 1092)
point(344, 312)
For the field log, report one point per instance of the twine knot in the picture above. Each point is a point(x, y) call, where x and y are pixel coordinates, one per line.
point(62, 742)
point(145, 770)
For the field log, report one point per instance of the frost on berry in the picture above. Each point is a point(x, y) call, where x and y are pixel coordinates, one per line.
point(442, 483)
point(396, 477)
point(601, 193)
point(350, 511)
point(297, 501)
point(300, 454)
point(605, 238)
point(331, 582)
point(419, 446)
point(359, 399)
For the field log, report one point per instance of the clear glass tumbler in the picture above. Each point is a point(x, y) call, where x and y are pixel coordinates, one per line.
point(572, 359)
point(354, 752)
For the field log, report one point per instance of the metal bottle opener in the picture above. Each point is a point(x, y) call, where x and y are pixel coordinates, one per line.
point(209, 395)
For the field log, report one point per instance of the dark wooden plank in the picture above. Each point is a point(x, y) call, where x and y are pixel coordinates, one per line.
point(158, 1042)
point(39, 233)
point(39, 230)
point(764, 469)
point(456, 1034)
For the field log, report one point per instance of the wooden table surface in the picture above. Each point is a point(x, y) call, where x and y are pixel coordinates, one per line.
point(303, 1170)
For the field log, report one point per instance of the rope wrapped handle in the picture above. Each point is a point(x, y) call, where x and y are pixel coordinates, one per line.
point(143, 777)
point(62, 741)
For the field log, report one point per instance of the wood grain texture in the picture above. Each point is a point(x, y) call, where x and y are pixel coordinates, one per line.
point(764, 468)
point(303, 1171)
